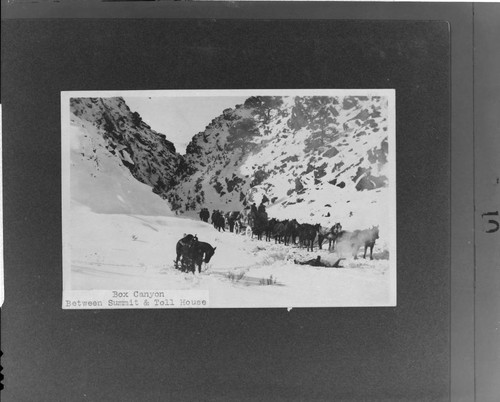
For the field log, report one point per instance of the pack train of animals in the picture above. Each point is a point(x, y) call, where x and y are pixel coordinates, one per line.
point(255, 222)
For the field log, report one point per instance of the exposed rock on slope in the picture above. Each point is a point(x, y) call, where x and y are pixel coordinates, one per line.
point(283, 148)
point(149, 156)
point(289, 150)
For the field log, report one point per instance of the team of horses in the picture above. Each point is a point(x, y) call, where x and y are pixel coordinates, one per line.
point(256, 223)
point(192, 253)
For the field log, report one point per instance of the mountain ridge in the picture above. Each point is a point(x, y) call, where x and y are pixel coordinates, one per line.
point(294, 151)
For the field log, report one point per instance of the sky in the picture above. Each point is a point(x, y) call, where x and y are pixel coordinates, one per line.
point(180, 118)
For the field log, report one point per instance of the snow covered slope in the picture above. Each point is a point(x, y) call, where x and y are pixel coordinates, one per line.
point(317, 158)
point(99, 179)
point(287, 149)
point(148, 155)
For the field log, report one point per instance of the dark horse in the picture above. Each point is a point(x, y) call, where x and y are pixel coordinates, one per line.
point(202, 253)
point(192, 253)
point(279, 230)
point(270, 228)
point(218, 221)
point(291, 231)
point(204, 214)
point(307, 235)
point(258, 223)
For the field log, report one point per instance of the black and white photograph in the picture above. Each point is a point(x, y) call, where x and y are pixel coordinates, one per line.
point(273, 201)
point(231, 198)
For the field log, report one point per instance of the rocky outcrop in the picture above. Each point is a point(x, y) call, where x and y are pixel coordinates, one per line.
point(275, 148)
point(149, 156)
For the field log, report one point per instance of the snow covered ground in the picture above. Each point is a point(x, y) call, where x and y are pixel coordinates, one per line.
point(118, 235)
point(136, 252)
